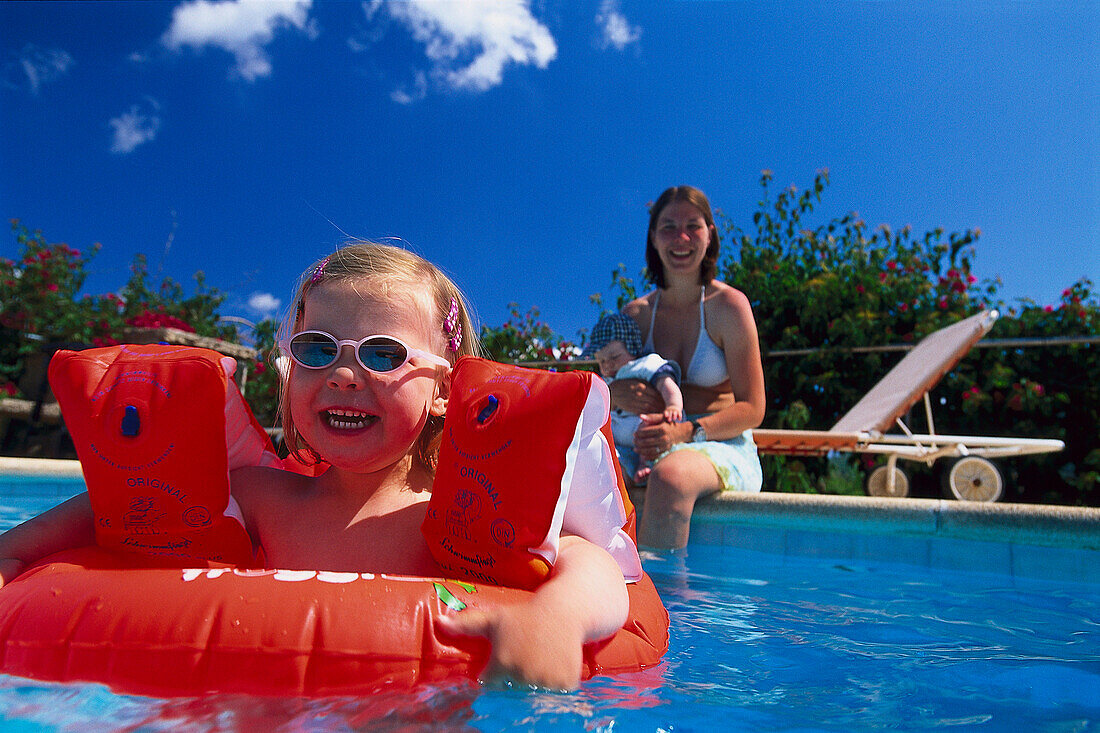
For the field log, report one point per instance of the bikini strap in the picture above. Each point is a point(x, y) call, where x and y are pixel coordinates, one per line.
point(652, 319)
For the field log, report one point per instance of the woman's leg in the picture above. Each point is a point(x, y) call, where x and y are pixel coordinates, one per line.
point(675, 484)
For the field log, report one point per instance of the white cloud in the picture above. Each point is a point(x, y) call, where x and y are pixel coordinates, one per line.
point(264, 303)
point(36, 66)
point(469, 43)
point(136, 127)
point(616, 29)
point(418, 92)
point(241, 27)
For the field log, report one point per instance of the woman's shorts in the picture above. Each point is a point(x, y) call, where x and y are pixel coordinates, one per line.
point(735, 460)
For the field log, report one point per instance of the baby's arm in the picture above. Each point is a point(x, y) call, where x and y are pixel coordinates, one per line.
point(539, 642)
point(69, 524)
point(674, 398)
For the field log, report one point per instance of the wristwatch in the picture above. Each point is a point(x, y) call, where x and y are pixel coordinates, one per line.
point(698, 432)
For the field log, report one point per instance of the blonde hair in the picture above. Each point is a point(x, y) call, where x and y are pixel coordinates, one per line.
point(379, 267)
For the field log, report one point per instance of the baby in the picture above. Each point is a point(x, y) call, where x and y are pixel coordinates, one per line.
point(615, 343)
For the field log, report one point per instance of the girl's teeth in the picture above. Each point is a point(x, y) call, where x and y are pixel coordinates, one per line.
point(347, 419)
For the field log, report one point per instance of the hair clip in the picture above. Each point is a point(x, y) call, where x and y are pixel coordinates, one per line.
point(319, 271)
point(452, 326)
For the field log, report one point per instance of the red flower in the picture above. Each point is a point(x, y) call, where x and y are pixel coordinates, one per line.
point(942, 304)
point(1049, 309)
point(882, 277)
point(860, 289)
point(891, 265)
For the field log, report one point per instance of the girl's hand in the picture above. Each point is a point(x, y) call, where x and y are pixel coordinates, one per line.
point(540, 641)
point(635, 396)
point(673, 414)
point(528, 646)
point(655, 436)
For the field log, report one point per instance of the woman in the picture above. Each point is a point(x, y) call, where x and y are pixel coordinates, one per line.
point(708, 328)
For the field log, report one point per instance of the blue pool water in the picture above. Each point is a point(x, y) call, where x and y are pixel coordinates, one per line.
point(759, 642)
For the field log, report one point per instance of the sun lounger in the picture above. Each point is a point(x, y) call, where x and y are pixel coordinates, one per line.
point(863, 428)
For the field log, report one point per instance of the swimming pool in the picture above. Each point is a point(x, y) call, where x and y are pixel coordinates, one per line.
point(787, 614)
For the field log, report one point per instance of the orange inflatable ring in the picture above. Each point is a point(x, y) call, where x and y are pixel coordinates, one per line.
point(111, 615)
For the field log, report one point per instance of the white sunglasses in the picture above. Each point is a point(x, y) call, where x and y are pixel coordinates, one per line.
point(378, 353)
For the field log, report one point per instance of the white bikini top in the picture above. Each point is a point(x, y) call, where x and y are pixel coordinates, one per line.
point(708, 362)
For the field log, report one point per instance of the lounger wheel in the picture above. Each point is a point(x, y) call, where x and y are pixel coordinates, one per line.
point(972, 478)
point(878, 483)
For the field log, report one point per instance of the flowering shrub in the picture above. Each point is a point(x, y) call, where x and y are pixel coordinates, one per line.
point(524, 338)
point(262, 389)
point(158, 319)
point(40, 304)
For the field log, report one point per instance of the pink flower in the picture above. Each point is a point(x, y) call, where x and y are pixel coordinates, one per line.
point(971, 279)
point(891, 265)
point(953, 273)
point(904, 307)
point(1049, 309)
point(942, 304)
point(882, 277)
point(52, 287)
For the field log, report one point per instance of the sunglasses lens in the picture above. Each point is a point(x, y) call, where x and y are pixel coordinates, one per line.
point(382, 354)
point(314, 350)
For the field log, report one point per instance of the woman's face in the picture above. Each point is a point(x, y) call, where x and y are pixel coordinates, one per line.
point(681, 237)
point(356, 419)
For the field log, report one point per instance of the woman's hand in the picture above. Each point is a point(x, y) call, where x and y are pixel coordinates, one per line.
point(655, 436)
point(635, 396)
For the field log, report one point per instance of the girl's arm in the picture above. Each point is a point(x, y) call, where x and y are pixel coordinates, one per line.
point(69, 524)
point(539, 642)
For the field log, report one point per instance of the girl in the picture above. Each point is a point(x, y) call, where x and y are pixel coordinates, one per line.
point(372, 337)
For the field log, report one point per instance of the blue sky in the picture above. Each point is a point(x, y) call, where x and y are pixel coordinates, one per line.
point(516, 144)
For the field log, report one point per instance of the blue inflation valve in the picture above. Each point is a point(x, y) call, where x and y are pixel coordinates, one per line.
point(131, 422)
point(490, 407)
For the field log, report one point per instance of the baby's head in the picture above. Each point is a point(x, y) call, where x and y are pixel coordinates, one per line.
point(613, 357)
point(381, 273)
point(615, 341)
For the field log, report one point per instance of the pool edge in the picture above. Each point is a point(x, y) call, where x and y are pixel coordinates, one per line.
point(1021, 540)
point(44, 467)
